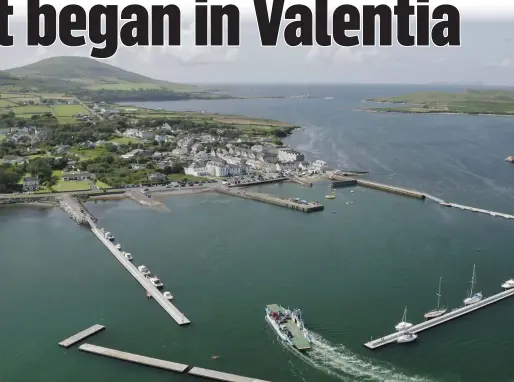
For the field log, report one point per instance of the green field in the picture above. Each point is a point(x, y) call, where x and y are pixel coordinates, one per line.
point(85, 154)
point(125, 140)
point(71, 186)
point(124, 86)
point(28, 111)
point(69, 110)
point(102, 184)
point(495, 102)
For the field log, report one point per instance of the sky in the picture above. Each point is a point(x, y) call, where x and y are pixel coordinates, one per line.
point(486, 54)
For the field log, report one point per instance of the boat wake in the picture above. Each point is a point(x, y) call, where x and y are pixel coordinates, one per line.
point(341, 363)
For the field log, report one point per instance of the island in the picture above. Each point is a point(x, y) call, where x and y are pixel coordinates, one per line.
point(472, 101)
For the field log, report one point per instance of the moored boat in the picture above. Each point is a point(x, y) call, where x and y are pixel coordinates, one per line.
point(440, 310)
point(156, 282)
point(473, 298)
point(168, 295)
point(403, 325)
point(406, 337)
point(509, 284)
point(144, 270)
point(289, 326)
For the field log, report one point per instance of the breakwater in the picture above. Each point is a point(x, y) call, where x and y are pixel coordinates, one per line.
point(275, 200)
point(72, 207)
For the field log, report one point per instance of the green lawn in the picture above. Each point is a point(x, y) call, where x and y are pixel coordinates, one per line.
point(102, 184)
point(69, 110)
point(3, 137)
point(71, 185)
point(125, 140)
point(31, 110)
point(86, 154)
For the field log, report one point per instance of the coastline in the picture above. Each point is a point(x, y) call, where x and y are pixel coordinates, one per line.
point(435, 112)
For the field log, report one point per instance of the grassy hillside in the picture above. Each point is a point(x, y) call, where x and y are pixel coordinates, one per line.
point(86, 77)
point(496, 102)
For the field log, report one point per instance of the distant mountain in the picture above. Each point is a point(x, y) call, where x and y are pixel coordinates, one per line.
point(86, 77)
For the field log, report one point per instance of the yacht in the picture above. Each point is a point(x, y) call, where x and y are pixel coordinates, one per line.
point(144, 270)
point(440, 310)
point(168, 295)
point(156, 282)
point(406, 337)
point(509, 284)
point(109, 236)
point(473, 298)
point(128, 256)
point(403, 325)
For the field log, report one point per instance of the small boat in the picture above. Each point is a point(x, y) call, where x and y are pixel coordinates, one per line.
point(331, 195)
point(168, 295)
point(440, 310)
point(156, 282)
point(473, 298)
point(334, 212)
point(509, 284)
point(403, 325)
point(406, 337)
point(148, 295)
point(129, 257)
point(109, 236)
point(351, 192)
point(117, 246)
point(144, 270)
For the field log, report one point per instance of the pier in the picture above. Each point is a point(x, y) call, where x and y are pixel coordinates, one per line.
point(344, 183)
point(301, 182)
point(81, 335)
point(73, 208)
point(257, 182)
point(142, 199)
point(165, 365)
point(479, 210)
point(173, 311)
point(392, 189)
point(459, 312)
point(276, 200)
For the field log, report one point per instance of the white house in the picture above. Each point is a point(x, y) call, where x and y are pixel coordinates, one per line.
point(290, 155)
point(30, 183)
point(196, 169)
point(319, 165)
point(257, 148)
point(77, 175)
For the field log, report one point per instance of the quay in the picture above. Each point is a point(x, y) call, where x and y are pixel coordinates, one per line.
point(301, 182)
point(166, 365)
point(344, 183)
point(140, 198)
point(392, 189)
point(171, 309)
point(81, 335)
point(276, 200)
point(459, 312)
point(257, 182)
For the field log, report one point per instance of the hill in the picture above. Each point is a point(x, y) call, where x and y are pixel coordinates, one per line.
point(86, 77)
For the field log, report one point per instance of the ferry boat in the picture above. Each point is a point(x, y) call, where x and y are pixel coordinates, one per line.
point(473, 298)
point(289, 326)
point(509, 284)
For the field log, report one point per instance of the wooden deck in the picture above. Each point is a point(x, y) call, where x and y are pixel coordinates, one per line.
point(81, 335)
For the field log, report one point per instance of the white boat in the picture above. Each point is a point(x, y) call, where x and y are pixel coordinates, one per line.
point(440, 310)
point(128, 256)
point(406, 337)
point(473, 298)
point(289, 326)
point(117, 246)
point(509, 284)
point(168, 295)
point(144, 270)
point(156, 282)
point(403, 325)
point(109, 236)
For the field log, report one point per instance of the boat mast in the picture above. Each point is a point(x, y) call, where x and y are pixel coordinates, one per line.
point(439, 294)
point(472, 282)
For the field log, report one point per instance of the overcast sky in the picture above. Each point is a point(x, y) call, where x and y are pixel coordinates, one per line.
point(486, 54)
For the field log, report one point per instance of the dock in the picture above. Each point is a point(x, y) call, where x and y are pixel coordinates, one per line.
point(271, 199)
point(257, 182)
point(392, 189)
point(166, 365)
point(171, 309)
point(301, 182)
point(344, 183)
point(134, 358)
point(219, 376)
point(459, 312)
point(143, 200)
point(81, 335)
point(73, 208)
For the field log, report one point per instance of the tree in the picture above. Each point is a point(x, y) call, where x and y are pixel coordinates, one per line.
point(52, 181)
point(41, 168)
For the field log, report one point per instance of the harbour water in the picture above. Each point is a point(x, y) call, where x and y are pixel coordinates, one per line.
point(351, 272)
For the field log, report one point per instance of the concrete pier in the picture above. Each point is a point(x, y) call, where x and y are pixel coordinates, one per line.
point(81, 335)
point(392, 189)
point(344, 183)
point(459, 312)
point(256, 183)
point(300, 181)
point(219, 376)
point(134, 358)
point(270, 199)
point(73, 208)
point(171, 309)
